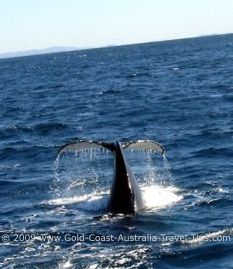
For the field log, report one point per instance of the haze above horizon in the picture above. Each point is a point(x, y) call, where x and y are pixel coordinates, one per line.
point(27, 25)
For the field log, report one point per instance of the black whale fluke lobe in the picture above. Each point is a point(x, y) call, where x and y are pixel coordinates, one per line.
point(125, 195)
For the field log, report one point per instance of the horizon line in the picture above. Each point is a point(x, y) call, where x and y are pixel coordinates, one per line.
point(62, 49)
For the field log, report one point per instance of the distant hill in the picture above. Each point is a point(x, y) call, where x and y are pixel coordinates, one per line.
point(63, 49)
point(37, 52)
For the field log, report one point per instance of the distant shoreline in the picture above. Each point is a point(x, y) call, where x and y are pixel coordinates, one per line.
point(54, 50)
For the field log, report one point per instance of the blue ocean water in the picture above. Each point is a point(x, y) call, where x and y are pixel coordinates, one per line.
point(179, 93)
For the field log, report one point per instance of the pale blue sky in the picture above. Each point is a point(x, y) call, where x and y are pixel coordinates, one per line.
point(36, 24)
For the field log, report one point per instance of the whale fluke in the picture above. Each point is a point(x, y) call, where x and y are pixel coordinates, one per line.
point(145, 145)
point(81, 145)
point(125, 194)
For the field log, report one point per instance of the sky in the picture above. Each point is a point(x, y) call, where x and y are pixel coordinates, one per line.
point(38, 24)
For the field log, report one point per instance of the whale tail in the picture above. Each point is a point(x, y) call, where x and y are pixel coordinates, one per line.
point(125, 195)
point(143, 145)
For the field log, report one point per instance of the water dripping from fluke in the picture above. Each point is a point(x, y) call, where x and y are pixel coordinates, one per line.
point(84, 176)
point(167, 167)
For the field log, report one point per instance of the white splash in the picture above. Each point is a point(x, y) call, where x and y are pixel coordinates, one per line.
point(65, 265)
point(217, 236)
point(156, 197)
point(88, 202)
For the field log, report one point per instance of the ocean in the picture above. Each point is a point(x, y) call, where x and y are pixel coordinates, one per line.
point(53, 209)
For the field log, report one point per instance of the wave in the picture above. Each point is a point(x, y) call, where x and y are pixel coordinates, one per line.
point(38, 129)
point(46, 87)
point(46, 128)
point(214, 152)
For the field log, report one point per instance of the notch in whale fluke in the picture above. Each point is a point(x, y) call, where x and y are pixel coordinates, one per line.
point(144, 145)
